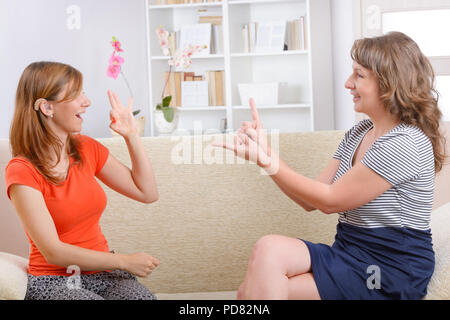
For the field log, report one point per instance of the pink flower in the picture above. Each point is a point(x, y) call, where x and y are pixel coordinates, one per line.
point(164, 43)
point(113, 71)
point(116, 45)
point(162, 33)
point(115, 63)
point(114, 66)
point(116, 60)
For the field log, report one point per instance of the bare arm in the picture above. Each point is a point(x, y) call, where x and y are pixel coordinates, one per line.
point(38, 223)
point(357, 187)
point(139, 183)
point(326, 176)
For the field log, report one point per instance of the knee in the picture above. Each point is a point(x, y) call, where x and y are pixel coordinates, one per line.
point(264, 250)
point(240, 292)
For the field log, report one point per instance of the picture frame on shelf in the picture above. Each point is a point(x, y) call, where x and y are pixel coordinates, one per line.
point(262, 93)
point(270, 36)
point(194, 93)
point(196, 34)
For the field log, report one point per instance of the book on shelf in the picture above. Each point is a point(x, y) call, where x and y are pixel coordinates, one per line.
point(296, 34)
point(189, 76)
point(172, 41)
point(271, 36)
point(163, 2)
point(196, 34)
point(214, 81)
point(216, 90)
point(220, 100)
point(245, 46)
point(274, 36)
point(213, 16)
point(194, 93)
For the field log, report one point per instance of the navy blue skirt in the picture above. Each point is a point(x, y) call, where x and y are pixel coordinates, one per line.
point(373, 263)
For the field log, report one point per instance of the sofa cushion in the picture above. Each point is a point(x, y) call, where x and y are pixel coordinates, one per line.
point(13, 277)
point(215, 295)
point(439, 286)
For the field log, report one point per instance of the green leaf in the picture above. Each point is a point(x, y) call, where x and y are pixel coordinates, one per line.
point(166, 101)
point(168, 114)
point(159, 106)
point(136, 112)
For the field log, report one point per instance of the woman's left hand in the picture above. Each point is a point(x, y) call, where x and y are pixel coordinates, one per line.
point(122, 120)
point(246, 148)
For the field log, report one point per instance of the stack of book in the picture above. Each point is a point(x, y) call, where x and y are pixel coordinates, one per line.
point(249, 34)
point(214, 84)
point(293, 32)
point(296, 34)
point(214, 17)
point(215, 80)
point(185, 1)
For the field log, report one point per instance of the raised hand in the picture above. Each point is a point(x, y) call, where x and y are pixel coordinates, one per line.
point(250, 143)
point(254, 129)
point(246, 148)
point(122, 120)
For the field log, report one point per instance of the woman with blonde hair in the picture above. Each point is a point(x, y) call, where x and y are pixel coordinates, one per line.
point(51, 183)
point(380, 181)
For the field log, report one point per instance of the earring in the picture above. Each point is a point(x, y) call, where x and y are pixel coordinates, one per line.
point(51, 116)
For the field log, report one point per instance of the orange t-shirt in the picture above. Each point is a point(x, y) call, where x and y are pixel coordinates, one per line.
point(75, 205)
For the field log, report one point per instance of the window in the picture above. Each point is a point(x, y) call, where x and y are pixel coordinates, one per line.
point(426, 22)
point(425, 27)
point(443, 87)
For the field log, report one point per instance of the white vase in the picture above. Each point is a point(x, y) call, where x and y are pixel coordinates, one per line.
point(164, 127)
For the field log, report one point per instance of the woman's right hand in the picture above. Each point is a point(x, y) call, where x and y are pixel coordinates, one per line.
point(140, 264)
point(255, 130)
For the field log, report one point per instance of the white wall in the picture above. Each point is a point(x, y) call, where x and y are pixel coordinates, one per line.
point(343, 35)
point(34, 30)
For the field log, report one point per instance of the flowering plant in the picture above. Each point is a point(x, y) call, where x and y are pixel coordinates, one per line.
point(115, 66)
point(178, 59)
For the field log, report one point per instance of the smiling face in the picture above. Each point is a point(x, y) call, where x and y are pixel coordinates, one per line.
point(363, 85)
point(67, 115)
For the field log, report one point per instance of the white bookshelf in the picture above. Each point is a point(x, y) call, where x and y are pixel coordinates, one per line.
point(305, 76)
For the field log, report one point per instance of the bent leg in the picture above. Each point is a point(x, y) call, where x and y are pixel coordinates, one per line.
point(119, 285)
point(275, 259)
point(303, 287)
point(55, 288)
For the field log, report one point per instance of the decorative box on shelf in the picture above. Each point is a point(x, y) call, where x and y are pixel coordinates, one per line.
point(262, 93)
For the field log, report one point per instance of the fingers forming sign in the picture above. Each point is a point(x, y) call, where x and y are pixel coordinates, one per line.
point(122, 120)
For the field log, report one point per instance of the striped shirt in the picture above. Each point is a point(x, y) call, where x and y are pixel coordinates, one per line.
point(404, 157)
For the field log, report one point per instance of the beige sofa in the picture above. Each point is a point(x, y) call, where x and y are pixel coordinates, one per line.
point(209, 216)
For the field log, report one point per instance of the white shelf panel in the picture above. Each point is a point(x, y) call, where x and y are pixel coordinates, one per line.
point(193, 57)
point(209, 108)
point(278, 106)
point(184, 5)
point(237, 2)
point(262, 54)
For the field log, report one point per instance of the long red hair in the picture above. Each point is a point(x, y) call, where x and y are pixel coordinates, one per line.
point(30, 136)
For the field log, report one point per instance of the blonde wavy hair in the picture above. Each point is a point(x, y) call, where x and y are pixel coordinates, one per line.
point(406, 81)
point(30, 136)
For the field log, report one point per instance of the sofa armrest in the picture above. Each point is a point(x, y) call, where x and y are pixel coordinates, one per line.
point(439, 286)
point(13, 277)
